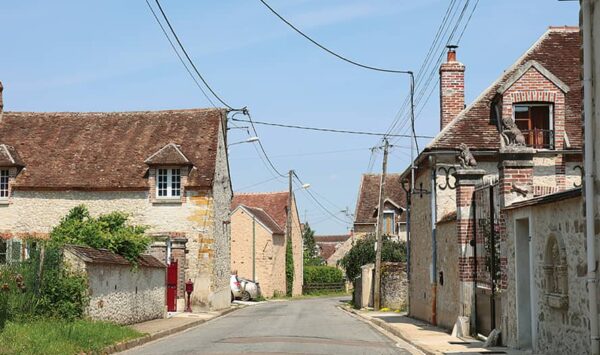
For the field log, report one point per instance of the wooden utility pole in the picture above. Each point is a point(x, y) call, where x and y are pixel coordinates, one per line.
point(379, 230)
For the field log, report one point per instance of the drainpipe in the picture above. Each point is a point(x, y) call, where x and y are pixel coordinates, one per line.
point(433, 244)
point(589, 175)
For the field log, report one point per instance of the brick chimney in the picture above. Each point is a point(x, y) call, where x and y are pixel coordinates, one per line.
point(452, 88)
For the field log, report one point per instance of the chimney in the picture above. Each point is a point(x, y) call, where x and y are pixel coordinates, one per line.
point(452, 88)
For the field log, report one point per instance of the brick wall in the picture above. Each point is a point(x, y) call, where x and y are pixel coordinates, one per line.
point(452, 90)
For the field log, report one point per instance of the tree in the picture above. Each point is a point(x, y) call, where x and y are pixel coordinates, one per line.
point(311, 256)
point(363, 252)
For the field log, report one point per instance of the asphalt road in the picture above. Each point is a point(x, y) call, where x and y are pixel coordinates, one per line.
point(312, 326)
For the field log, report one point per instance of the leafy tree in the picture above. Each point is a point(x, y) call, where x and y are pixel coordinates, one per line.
point(311, 257)
point(110, 231)
point(363, 252)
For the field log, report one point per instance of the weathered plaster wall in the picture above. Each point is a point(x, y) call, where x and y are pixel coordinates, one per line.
point(448, 299)
point(556, 331)
point(420, 258)
point(394, 285)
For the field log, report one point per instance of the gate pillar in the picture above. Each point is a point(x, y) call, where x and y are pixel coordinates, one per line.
point(515, 175)
point(466, 180)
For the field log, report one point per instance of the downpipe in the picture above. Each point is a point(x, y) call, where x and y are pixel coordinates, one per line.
point(589, 176)
point(432, 163)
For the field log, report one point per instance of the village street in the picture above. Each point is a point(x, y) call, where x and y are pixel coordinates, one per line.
point(313, 326)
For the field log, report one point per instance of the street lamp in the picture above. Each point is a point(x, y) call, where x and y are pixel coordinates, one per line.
point(249, 140)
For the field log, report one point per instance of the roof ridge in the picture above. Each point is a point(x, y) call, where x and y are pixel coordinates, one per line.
point(91, 113)
point(260, 193)
point(565, 28)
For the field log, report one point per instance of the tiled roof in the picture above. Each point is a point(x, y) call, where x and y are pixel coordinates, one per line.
point(273, 203)
point(331, 238)
point(558, 51)
point(264, 218)
point(170, 154)
point(104, 256)
point(552, 198)
point(9, 156)
point(68, 150)
point(368, 196)
point(327, 250)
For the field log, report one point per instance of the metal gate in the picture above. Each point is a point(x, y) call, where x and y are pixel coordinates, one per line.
point(487, 256)
point(172, 286)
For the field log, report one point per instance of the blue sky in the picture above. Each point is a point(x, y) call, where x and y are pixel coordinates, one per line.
point(111, 56)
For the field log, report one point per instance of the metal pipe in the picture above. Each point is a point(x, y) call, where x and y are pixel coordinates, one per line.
point(589, 175)
point(433, 243)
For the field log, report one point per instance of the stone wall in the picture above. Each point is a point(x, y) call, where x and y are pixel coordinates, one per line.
point(394, 285)
point(557, 328)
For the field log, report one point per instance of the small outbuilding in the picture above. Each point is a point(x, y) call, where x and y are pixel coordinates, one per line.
point(119, 291)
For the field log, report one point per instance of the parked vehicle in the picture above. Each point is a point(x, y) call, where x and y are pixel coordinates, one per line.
point(243, 289)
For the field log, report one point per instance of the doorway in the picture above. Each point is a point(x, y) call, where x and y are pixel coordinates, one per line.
point(523, 283)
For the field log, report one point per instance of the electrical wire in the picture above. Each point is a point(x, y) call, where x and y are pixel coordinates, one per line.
point(316, 200)
point(179, 55)
point(339, 56)
point(246, 112)
point(257, 184)
point(190, 59)
point(330, 129)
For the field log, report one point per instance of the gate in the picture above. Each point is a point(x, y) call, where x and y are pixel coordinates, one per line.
point(487, 256)
point(172, 286)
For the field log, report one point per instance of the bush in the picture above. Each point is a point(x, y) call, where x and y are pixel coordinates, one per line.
point(289, 267)
point(322, 274)
point(363, 252)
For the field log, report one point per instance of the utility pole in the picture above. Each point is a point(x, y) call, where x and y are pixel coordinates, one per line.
point(378, 232)
point(288, 227)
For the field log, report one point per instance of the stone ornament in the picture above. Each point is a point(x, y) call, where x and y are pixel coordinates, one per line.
point(465, 158)
point(511, 134)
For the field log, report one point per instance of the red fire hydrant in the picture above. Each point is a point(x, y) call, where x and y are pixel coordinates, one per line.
point(189, 288)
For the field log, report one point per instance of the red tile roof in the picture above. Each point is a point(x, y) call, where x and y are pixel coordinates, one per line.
point(558, 50)
point(9, 156)
point(264, 218)
point(327, 250)
point(331, 238)
point(69, 150)
point(368, 196)
point(104, 256)
point(273, 203)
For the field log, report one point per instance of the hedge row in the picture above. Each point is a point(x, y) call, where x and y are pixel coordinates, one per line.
point(322, 274)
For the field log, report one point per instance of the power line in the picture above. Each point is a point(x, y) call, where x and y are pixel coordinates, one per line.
point(262, 148)
point(257, 184)
point(317, 201)
point(188, 57)
point(179, 55)
point(330, 129)
point(339, 56)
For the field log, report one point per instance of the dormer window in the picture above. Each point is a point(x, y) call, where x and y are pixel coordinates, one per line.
point(168, 183)
point(4, 177)
point(536, 123)
point(389, 223)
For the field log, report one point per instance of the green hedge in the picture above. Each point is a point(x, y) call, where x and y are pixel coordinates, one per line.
point(322, 274)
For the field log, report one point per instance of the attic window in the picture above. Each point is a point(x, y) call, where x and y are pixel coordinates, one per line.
point(4, 184)
point(168, 183)
point(388, 223)
point(536, 124)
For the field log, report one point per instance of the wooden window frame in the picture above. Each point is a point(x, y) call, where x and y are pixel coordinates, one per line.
point(551, 139)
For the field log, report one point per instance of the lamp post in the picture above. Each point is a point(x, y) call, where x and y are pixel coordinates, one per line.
point(249, 140)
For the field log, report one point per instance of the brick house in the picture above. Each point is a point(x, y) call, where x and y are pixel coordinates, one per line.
point(259, 225)
point(166, 169)
point(540, 95)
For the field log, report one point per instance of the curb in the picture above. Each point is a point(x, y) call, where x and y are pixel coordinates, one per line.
point(130, 344)
point(389, 328)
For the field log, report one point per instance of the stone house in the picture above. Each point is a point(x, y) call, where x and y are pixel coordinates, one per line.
point(258, 240)
point(119, 292)
point(540, 96)
point(167, 169)
point(327, 245)
point(367, 204)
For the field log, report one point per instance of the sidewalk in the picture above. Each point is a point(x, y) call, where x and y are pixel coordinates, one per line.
point(160, 328)
point(425, 337)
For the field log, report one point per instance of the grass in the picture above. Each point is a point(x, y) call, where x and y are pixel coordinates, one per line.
point(61, 337)
point(313, 294)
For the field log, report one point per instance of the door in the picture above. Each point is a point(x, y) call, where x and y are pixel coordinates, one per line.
point(172, 286)
point(523, 281)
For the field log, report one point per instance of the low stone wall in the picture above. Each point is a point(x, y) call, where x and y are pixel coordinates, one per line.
point(394, 286)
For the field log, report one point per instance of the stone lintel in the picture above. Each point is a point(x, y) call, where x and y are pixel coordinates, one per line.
point(516, 157)
point(466, 177)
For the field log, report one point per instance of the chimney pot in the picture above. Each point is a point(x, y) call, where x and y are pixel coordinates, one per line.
point(451, 53)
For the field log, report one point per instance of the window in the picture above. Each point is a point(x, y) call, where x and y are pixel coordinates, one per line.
point(168, 183)
point(389, 218)
point(3, 184)
point(535, 122)
point(10, 251)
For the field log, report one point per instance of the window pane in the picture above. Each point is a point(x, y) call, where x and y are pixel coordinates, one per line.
point(161, 188)
point(176, 182)
point(3, 183)
point(15, 251)
point(3, 248)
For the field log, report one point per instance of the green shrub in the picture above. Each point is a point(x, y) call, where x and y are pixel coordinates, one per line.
point(289, 267)
point(322, 274)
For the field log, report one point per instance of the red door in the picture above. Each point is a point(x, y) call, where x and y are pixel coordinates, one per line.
point(172, 286)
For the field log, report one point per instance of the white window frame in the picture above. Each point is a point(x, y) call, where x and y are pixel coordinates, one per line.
point(550, 115)
point(4, 184)
point(169, 189)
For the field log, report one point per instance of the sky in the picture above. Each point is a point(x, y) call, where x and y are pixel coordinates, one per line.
point(112, 56)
